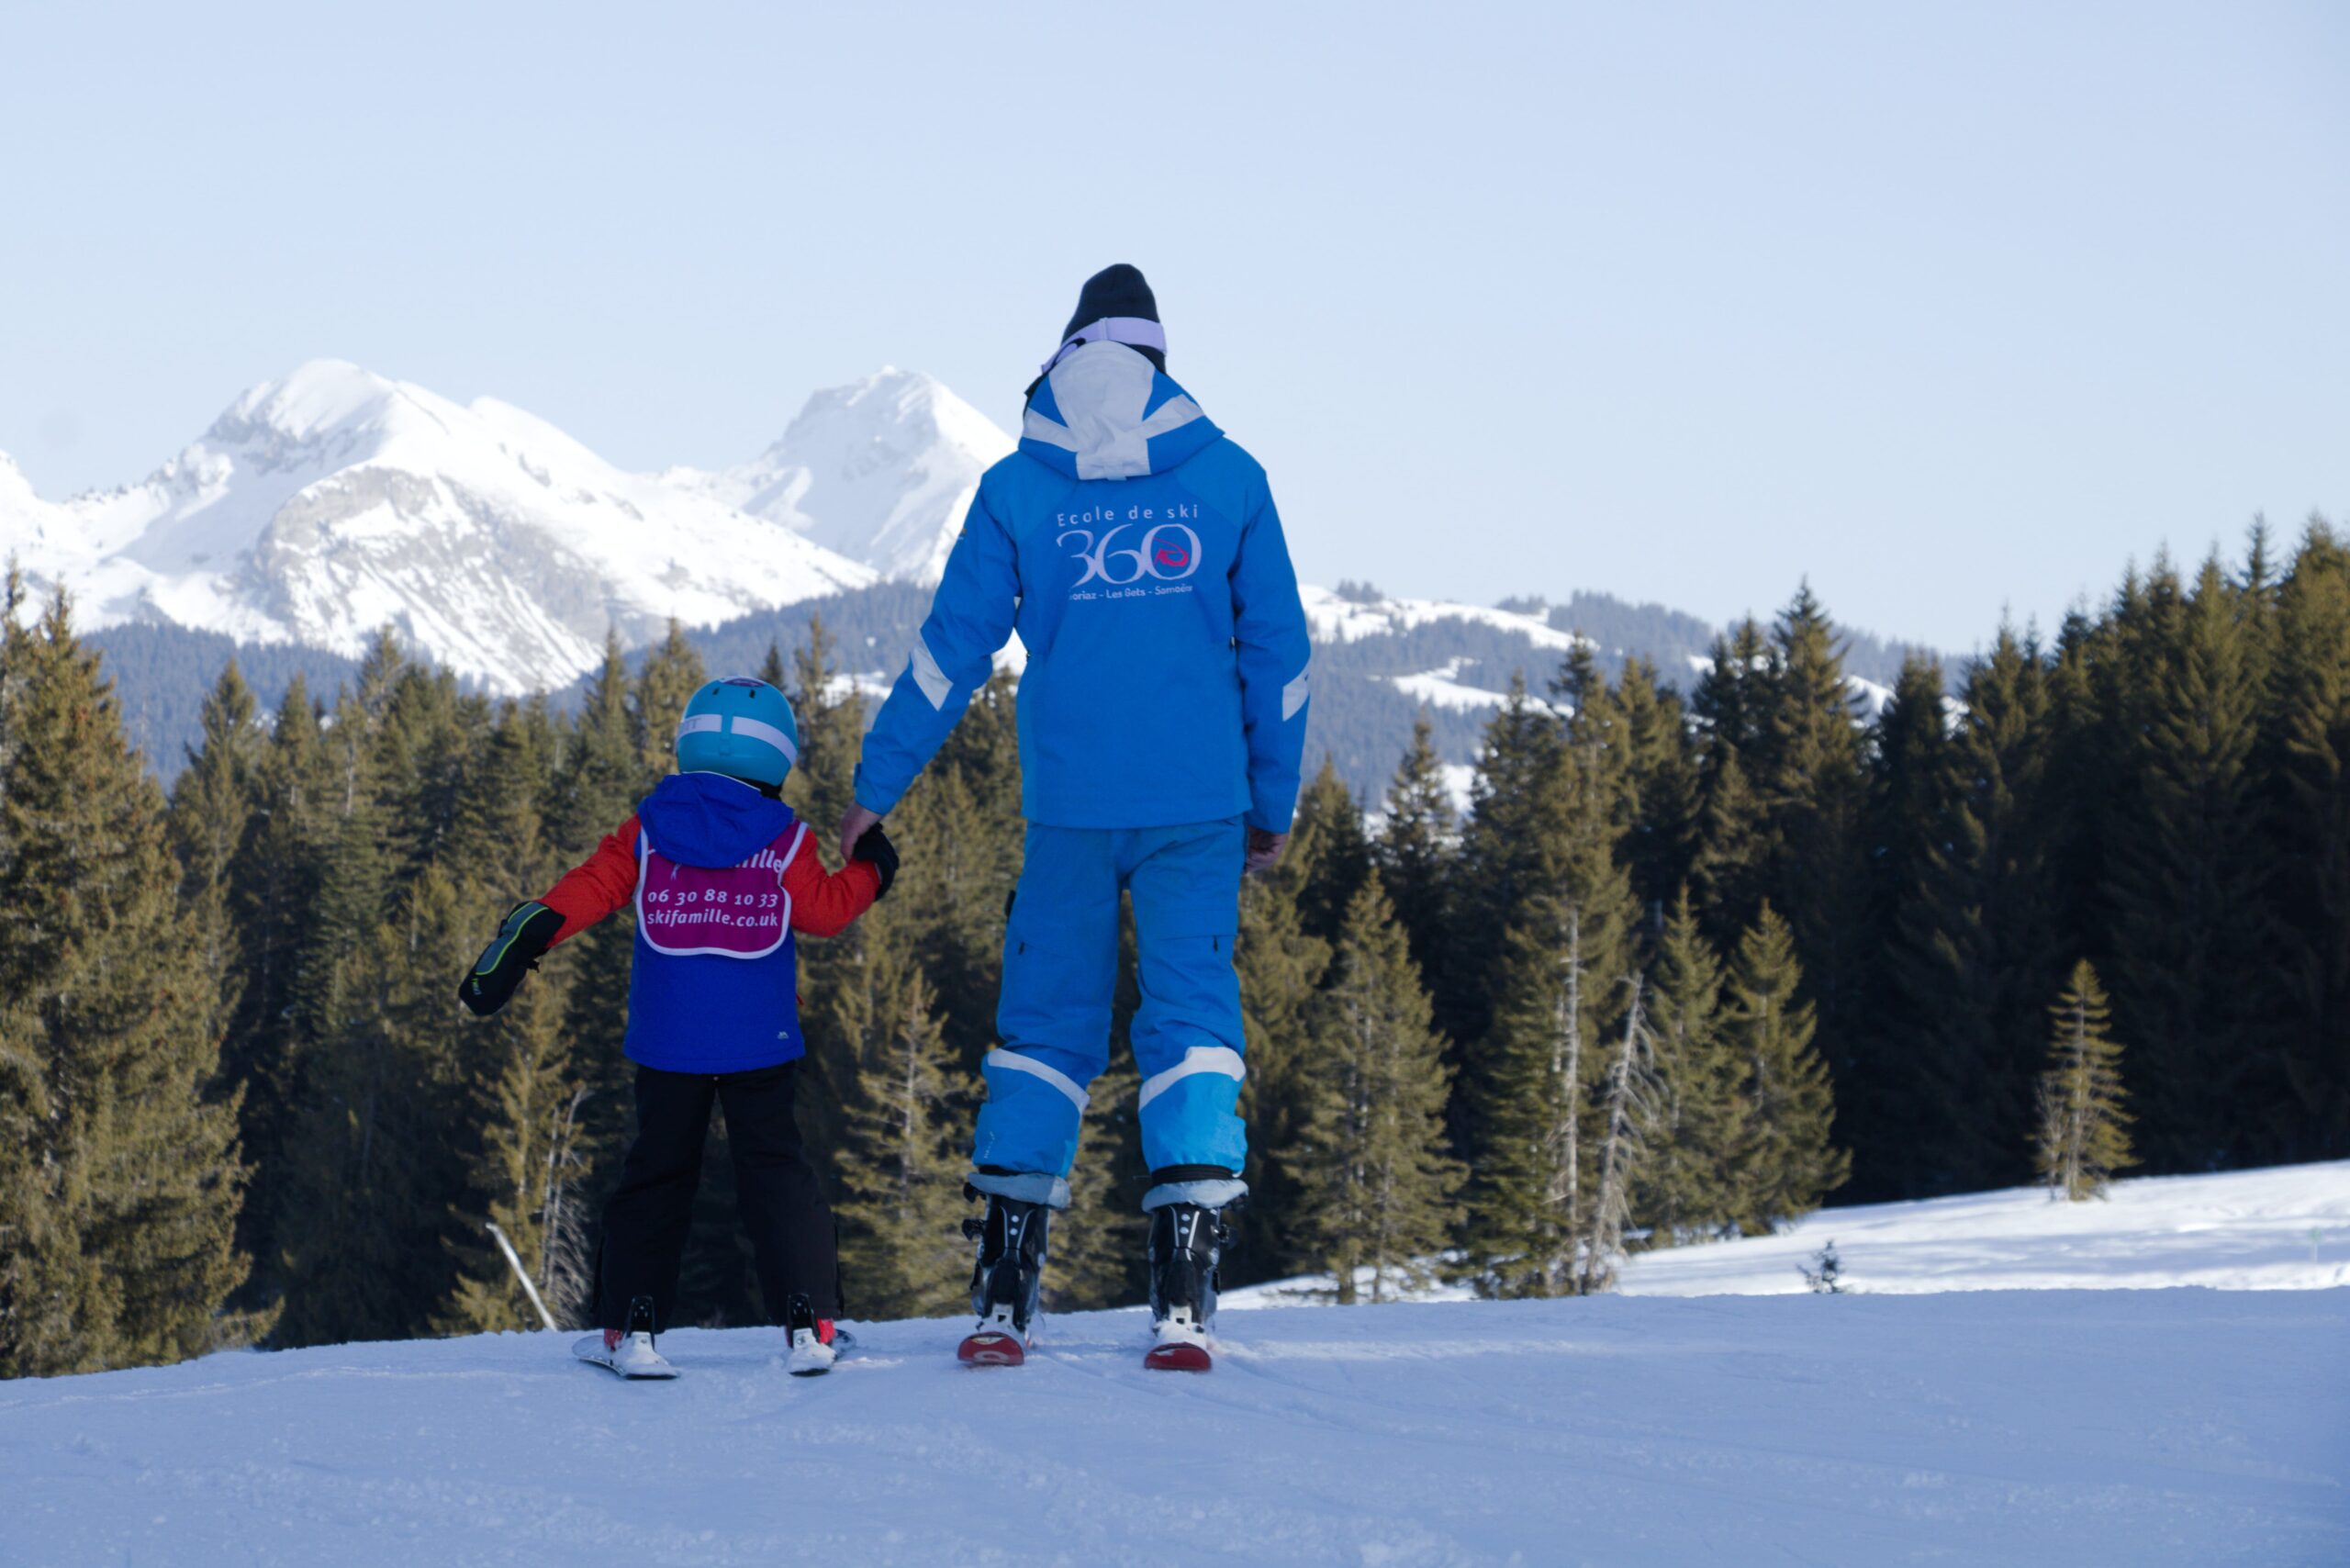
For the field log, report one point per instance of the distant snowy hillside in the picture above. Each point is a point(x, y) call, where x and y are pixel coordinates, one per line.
point(1354, 614)
point(322, 506)
point(334, 501)
point(1988, 1430)
point(2283, 1229)
point(881, 471)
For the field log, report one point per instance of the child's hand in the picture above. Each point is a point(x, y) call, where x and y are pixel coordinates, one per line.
point(853, 828)
point(527, 932)
point(873, 847)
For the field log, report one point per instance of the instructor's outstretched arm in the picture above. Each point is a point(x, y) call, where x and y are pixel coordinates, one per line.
point(971, 616)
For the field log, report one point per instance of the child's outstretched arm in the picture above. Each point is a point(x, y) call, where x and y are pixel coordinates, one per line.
point(581, 897)
point(823, 904)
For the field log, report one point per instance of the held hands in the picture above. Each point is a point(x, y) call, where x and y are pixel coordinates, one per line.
point(1264, 848)
point(853, 828)
point(529, 930)
point(873, 846)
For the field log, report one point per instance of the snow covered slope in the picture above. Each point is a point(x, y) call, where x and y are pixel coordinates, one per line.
point(2145, 1429)
point(2286, 1228)
point(1353, 617)
point(881, 471)
point(44, 539)
point(331, 502)
point(2281, 1229)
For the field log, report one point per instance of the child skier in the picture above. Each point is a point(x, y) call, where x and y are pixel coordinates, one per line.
point(722, 876)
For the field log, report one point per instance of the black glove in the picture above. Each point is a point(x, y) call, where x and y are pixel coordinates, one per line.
point(874, 847)
point(520, 942)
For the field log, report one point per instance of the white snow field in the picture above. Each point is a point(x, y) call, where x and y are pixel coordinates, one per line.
point(2280, 1229)
point(2186, 1427)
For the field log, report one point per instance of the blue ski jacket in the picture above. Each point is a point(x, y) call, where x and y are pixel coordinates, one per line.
point(1135, 548)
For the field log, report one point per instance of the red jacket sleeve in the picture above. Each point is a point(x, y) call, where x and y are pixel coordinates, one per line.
point(598, 885)
point(823, 904)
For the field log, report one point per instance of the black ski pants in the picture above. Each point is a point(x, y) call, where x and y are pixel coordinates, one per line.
point(783, 1206)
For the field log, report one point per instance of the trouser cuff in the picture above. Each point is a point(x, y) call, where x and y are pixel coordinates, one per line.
point(1026, 1187)
point(1214, 1192)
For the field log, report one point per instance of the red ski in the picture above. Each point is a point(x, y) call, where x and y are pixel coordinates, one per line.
point(992, 1348)
point(1180, 1355)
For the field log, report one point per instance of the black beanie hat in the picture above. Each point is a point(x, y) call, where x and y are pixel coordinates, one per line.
point(1119, 290)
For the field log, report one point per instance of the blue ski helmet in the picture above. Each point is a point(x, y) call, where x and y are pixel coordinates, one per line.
point(740, 727)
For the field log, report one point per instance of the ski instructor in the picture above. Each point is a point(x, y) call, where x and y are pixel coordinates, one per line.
point(1135, 550)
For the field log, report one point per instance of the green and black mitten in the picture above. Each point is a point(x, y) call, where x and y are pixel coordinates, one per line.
point(520, 942)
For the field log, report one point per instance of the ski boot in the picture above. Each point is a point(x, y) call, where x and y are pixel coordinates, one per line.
point(1006, 1279)
point(627, 1351)
point(815, 1343)
point(1186, 1242)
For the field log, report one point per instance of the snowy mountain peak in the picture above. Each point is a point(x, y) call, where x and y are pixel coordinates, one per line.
point(320, 396)
point(880, 470)
point(333, 500)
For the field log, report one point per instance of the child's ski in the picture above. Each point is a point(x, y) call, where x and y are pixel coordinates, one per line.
point(815, 1343)
point(633, 1358)
point(629, 1353)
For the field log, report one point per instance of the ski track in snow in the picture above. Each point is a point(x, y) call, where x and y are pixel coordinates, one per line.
point(2074, 1428)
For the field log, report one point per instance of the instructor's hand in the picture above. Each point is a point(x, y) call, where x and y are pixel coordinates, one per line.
point(1264, 848)
point(853, 828)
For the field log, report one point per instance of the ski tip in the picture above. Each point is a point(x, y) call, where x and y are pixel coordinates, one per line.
point(990, 1348)
point(1182, 1357)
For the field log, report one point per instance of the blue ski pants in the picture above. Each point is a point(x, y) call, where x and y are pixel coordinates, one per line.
point(1060, 969)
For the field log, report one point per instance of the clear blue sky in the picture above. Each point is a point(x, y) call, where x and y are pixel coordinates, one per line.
point(1949, 308)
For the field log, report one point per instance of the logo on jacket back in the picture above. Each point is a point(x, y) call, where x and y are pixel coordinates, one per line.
point(1167, 549)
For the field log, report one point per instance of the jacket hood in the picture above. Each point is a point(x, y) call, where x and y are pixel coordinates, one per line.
point(1105, 412)
point(707, 819)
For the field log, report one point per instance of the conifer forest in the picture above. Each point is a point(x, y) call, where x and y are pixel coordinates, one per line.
point(1699, 957)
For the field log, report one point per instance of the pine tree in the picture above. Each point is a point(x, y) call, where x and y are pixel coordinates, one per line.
point(1101, 1243)
point(1787, 1162)
point(830, 715)
point(962, 834)
point(669, 677)
point(1885, 1105)
point(1416, 847)
point(1557, 995)
point(1689, 1186)
point(2083, 1136)
point(1375, 1184)
point(1628, 1113)
point(211, 816)
point(2184, 872)
point(590, 794)
point(899, 1157)
point(1814, 789)
point(1331, 849)
point(522, 1091)
point(1281, 970)
point(1731, 846)
point(1507, 848)
point(109, 1029)
point(1526, 1200)
point(372, 1178)
point(1661, 828)
point(2304, 1113)
point(273, 890)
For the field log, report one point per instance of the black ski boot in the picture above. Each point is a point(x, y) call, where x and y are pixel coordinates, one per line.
point(1005, 1280)
point(1186, 1243)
